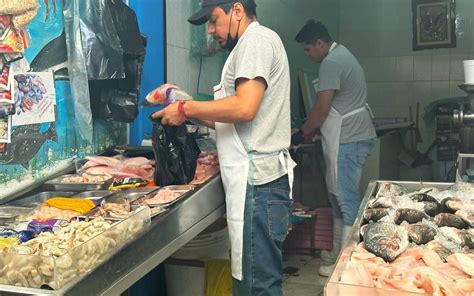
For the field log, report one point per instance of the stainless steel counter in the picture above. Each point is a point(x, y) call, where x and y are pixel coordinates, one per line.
point(166, 235)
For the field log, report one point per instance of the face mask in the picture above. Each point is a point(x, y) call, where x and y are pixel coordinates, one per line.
point(231, 41)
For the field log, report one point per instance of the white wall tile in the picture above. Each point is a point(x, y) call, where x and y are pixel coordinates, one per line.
point(440, 67)
point(422, 67)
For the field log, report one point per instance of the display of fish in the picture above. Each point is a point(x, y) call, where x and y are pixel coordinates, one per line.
point(451, 220)
point(375, 214)
point(386, 240)
point(410, 215)
point(420, 234)
point(26, 142)
point(460, 236)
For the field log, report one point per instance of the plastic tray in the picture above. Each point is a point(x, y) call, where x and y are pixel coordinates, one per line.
point(9, 214)
point(34, 271)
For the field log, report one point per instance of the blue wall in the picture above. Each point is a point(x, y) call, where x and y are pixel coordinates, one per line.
point(151, 16)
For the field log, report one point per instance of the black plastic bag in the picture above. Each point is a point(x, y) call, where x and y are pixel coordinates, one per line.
point(176, 152)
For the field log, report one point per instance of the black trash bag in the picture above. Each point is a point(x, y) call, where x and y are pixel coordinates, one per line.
point(176, 153)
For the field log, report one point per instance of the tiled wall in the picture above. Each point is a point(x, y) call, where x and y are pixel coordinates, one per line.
point(182, 68)
point(283, 16)
point(379, 33)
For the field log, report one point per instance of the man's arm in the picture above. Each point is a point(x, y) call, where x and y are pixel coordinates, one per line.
point(242, 107)
point(319, 112)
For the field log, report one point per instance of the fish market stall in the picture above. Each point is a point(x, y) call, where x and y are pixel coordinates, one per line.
point(410, 238)
point(107, 249)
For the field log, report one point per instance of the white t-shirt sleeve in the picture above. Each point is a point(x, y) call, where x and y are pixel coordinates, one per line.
point(254, 58)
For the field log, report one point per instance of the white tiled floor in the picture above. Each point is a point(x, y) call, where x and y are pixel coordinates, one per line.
point(304, 281)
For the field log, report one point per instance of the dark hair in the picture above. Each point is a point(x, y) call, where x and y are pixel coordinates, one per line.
point(250, 7)
point(311, 32)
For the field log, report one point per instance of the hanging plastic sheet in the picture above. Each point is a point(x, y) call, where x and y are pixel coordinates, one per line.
point(101, 44)
point(117, 99)
point(77, 69)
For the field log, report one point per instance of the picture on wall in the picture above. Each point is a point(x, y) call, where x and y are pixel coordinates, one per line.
point(433, 24)
point(5, 129)
point(35, 98)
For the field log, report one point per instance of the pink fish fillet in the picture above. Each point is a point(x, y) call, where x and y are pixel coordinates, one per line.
point(408, 284)
point(462, 261)
point(434, 282)
point(431, 258)
point(357, 274)
point(136, 161)
point(466, 285)
point(104, 160)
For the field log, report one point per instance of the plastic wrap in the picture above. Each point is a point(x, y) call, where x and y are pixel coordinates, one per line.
point(100, 42)
point(77, 70)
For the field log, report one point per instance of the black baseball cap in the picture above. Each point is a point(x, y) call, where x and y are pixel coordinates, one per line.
point(202, 15)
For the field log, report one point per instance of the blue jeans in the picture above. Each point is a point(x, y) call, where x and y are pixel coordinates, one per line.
point(352, 157)
point(267, 212)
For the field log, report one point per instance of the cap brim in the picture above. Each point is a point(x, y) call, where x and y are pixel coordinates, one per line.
point(201, 16)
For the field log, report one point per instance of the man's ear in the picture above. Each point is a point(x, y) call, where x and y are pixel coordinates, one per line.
point(239, 11)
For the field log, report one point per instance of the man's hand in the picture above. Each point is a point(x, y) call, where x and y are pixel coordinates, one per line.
point(297, 138)
point(170, 115)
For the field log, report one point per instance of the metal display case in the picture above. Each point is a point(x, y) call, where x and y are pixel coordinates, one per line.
point(116, 269)
point(333, 286)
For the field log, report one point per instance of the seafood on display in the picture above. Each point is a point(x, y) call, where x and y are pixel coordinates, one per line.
point(85, 178)
point(418, 242)
point(55, 258)
point(135, 167)
point(115, 210)
point(207, 166)
point(163, 196)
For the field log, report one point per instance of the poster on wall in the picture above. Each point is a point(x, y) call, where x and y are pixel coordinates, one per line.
point(35, 98)
point(5, 129)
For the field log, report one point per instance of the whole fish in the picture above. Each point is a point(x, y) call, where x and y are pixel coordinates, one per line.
point(390, 189)
point(412, 216)
point(419, 196)
point(431, 208)
point(460, 236)
point(386, 240)
point(451, 204)
point(467, 214)
point(420, 234)
point(441, 250)
point(388, 201)
point(375, 214)
point(451, 220)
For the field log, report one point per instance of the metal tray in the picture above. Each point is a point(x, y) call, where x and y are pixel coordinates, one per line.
point(184, 193)
point(57, 184)
point(98, 194)
point(132, 194)
point(9, 215)
point(35, 200)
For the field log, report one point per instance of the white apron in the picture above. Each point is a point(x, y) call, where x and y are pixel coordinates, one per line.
point(234, 165)
point(330, 136)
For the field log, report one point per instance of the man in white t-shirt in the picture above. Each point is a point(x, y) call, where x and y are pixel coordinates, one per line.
point(251, 115)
